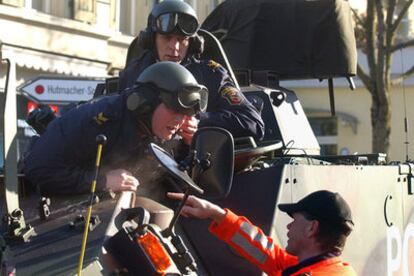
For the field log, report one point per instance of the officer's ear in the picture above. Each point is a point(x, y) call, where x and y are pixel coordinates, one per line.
point(142, 99)
point(196, 45)
point(312, 228)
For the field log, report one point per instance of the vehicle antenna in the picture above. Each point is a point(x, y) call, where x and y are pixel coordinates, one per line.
point(406, 142)
point(101, 140)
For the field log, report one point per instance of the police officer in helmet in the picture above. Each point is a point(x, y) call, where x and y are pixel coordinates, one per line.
point(171, 35)
point(62, 160)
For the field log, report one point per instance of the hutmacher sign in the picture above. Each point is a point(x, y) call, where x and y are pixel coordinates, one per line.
point(57, 90)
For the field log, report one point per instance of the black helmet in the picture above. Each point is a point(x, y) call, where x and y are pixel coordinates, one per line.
point(173, 16)
point(176, 88)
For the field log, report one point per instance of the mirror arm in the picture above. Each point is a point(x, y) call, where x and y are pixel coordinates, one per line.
point(169, 231)
point(188, 163)
point(200, 166)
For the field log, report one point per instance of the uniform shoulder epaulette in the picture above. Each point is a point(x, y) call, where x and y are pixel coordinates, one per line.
point(214, 65)
point(100, 118)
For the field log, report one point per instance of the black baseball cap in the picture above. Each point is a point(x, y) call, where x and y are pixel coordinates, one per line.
point(324, 206)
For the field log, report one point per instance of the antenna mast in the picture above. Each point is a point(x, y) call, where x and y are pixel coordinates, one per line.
point(406, 142)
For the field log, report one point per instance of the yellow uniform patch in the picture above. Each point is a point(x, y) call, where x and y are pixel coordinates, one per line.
point(213, 65)
point(232, 95)
point(100, 118)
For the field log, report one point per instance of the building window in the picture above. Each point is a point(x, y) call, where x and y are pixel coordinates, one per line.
point(40, 5)
point(16, 3)
point(326, 131)
point(84, 10)
point(81, 10)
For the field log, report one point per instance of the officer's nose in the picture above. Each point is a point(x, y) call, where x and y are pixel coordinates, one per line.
point(175, 44)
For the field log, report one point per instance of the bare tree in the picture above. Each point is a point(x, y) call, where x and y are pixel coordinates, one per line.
point(376, 32)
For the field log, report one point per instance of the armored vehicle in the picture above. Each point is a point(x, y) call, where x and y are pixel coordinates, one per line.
point(260, 43)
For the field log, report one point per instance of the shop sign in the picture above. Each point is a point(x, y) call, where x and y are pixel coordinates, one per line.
point(57, 90)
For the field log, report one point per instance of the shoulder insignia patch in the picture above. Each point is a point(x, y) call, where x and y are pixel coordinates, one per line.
point(232, 95)
point(100, 119)
point(213, 65)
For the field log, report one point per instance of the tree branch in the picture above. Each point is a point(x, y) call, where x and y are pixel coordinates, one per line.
point(388, 23)
point(390, 11)
point(379, 74)
point(401, 15)
point(401, 77)
point(358, 18)
point(389, 40)
point(366, 80)
point(402, 45)
point(371, 36)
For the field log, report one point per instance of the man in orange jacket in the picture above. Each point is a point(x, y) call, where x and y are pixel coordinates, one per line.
point(317, 235)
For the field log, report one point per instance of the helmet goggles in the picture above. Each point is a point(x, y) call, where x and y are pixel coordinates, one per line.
point(168, 23)
point(189, 100)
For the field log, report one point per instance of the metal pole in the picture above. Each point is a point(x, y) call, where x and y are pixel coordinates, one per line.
point(101, 140)
point(10, 137)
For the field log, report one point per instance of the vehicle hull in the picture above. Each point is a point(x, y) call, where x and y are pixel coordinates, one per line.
point(383, 212)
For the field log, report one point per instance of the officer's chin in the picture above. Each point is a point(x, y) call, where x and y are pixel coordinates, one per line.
point(173, 59)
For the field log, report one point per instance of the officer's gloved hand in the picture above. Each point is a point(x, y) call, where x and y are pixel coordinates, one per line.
point(121, 180)
point(188, 128)
point(40, 117)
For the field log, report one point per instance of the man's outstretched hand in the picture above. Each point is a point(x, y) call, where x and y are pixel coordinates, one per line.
point(121, 180)
point(199, 208)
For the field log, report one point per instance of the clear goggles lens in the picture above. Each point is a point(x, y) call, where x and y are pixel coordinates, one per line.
point(167, 23)
point(195, 97)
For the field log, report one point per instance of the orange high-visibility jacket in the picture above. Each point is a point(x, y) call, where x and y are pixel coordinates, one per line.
point(255, 246)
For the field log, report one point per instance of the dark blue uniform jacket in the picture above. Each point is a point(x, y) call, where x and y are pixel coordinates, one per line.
point(227, 106)
point(62, 160)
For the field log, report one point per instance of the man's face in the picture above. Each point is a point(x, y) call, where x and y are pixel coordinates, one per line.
point(298, 234)
point(166, 122)
point(171, 47)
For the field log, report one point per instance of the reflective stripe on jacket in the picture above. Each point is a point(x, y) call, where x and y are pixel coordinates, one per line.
point(256, 247)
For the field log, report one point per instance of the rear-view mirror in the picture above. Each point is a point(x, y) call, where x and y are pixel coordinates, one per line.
point(214, 149)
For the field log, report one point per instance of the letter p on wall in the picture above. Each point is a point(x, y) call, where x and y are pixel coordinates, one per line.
point(400, 251)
